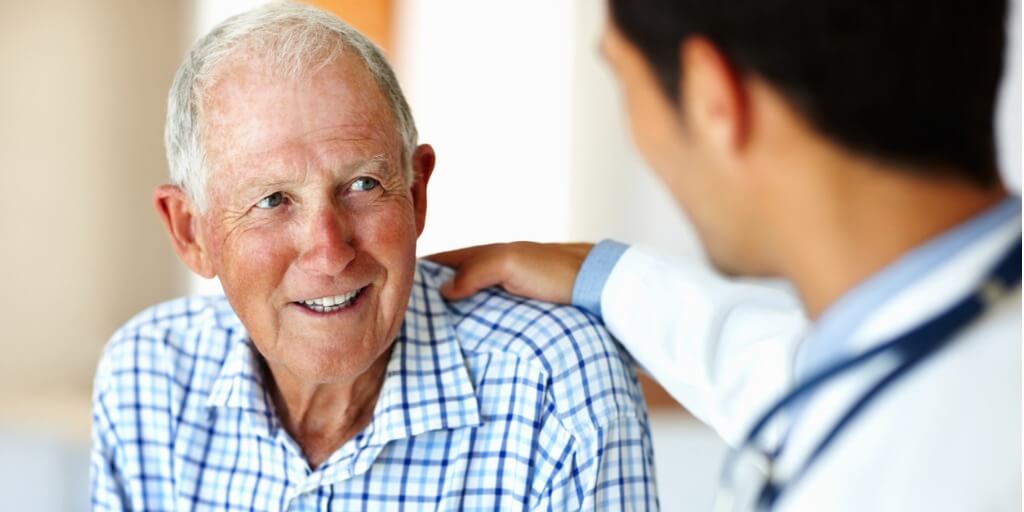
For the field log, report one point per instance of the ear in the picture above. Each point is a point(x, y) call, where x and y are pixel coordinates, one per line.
point(423, 160)
point(181, 221)
point(712, 96)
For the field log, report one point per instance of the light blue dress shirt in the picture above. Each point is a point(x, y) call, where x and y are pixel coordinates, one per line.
point(490, 403)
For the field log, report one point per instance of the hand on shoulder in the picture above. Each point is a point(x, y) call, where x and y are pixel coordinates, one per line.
point(540, 271)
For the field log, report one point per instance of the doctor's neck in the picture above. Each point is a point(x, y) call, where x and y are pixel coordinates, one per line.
point(852, 217)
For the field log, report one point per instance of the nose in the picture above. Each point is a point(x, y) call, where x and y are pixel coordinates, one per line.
point(328, 247)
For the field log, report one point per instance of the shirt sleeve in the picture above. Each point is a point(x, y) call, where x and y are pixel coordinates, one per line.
point(106, 482)
point(722, 348)
point(610, 468)
point(593, 274)
point(623, 468)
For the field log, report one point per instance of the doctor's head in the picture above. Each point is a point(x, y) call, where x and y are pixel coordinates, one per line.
point(297, 180)
point(740, 105)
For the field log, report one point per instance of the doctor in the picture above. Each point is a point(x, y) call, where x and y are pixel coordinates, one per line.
point(846, 146)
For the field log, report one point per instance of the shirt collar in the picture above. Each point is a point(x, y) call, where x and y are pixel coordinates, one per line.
point(426, 386)
point(831, 337)
point(240, 383)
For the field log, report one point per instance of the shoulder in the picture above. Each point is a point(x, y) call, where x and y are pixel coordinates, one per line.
point(977, 376)
point(169, 329)
point(591, 380)
point(163, 353)
point(970, 391)
point(948, 436)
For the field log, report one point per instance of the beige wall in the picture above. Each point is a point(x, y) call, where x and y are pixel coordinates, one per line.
point(82, 100)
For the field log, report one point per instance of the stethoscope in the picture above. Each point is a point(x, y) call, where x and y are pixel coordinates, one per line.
point(905, 352)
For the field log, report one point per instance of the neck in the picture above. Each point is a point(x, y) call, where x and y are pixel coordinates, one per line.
point(323, 416)
point(864, 219)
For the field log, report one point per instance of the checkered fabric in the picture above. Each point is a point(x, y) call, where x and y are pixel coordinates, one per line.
point(491, 403)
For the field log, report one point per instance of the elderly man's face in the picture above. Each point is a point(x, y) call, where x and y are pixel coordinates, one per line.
point(311, 225)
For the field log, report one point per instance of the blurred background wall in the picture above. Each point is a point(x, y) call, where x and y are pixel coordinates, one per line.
point(82, 98)
point(531, 144)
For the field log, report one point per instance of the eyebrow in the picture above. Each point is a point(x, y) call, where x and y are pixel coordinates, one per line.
point(262, 181)
point(375, 160)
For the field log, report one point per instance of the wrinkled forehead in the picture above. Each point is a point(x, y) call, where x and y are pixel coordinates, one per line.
point(249, 107)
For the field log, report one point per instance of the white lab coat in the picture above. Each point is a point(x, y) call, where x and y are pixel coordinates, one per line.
point(945, 437)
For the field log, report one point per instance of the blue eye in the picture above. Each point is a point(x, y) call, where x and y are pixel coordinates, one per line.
point(364, 184)
point(272, 201)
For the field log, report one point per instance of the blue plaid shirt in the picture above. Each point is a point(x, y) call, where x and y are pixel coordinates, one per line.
point(494, 402)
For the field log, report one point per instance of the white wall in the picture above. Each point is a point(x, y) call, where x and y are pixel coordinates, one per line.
point(208, 13)
point(489, 84)
point(524, 117)
point(612, 194)
point(1008, 114)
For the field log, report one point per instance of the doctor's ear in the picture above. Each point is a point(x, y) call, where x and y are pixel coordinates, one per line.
point(181, 220)
point(711, 95)
point(423, 160)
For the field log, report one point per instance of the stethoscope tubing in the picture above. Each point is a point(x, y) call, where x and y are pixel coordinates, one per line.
point(910, 349)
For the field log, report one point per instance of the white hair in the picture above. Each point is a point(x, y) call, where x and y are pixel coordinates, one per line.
point(293, 40)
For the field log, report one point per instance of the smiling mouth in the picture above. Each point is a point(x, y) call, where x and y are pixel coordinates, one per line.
point(332, 303)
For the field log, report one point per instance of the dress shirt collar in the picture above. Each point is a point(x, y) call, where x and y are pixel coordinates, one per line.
point(831, 337)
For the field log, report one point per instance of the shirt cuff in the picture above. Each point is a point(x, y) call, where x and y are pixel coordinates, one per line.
point(593, 274)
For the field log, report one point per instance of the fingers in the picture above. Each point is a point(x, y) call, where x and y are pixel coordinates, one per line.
point(538, 271)
point(472, 275)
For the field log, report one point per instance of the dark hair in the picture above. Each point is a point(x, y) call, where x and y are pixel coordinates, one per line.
point(912, 82)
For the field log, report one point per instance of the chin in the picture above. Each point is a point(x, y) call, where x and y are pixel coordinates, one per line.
point(728, 262)
point(738, 264)
point(326, 364)
point(728, 268)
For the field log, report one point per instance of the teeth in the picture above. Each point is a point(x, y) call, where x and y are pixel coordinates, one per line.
point(330, 303)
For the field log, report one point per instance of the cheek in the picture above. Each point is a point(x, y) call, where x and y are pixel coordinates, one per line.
point(654, 125)
point(253, 262)
point(390, 237)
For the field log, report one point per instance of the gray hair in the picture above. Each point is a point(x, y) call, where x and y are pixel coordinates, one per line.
point(292, 39)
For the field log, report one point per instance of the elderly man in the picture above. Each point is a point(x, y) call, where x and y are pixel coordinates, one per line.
point(332, 375)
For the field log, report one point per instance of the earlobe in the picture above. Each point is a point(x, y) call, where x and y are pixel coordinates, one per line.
point(423, 160)
point(180, 220)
